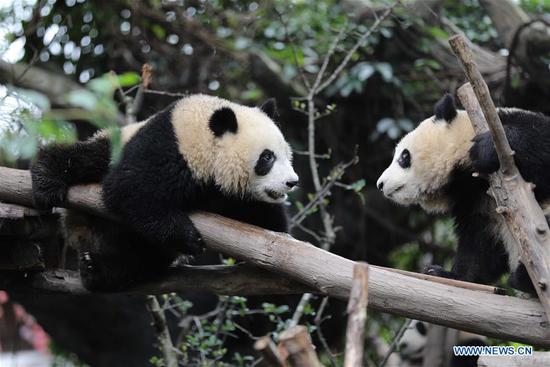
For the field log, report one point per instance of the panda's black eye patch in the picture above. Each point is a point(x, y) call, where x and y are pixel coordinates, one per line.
point(421, 328)
point(405, 159)
point(265, 163)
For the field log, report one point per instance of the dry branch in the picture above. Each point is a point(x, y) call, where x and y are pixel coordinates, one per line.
point(163, 334)
point(478, 312)
point(269, 352)
point(297, 343)
point(357, 316)
point(514, 197)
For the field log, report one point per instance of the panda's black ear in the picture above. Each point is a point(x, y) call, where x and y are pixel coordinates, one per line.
point(270, 108)
point(223, 121)
point(445, 109)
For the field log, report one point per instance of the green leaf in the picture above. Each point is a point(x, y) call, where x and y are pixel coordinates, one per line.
point(82, 98)
point(357, 185)
point(128, 79)
point(105, 85)
point(437, 33)
point(159, 32)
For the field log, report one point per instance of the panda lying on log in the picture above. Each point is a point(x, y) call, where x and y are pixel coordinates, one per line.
point(433, 167)
point(200, 153)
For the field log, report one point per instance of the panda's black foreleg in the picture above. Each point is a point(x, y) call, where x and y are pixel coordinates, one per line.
point(171, 229)
point(57, 167)
point(478, 259)
point(531, 154)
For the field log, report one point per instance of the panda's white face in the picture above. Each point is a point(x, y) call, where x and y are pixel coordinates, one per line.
point(411, 345)
point(273, 175)
point(425, 158)
point(267, 155)
point(237, 147)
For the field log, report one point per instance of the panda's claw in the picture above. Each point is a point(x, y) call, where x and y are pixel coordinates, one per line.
point(438, 271)
point(194, 244)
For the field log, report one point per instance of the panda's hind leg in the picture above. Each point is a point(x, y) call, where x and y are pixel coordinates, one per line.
point(111, 257)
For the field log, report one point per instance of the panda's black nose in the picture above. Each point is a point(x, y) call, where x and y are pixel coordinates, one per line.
point(291, 184)
point(380, 185)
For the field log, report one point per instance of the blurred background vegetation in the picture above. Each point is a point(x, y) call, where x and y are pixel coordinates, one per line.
point(69, 67)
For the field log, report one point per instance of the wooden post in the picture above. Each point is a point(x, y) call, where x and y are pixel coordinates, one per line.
point(357, 316)
point(298, 345)
point(514, 197)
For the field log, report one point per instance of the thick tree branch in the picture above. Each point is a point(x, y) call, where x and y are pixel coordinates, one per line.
point(428, 13)
point(218, 279)
point(527, 40)
point(506, 16)
point(54, 86)
point(514, 197)
point(478, 312)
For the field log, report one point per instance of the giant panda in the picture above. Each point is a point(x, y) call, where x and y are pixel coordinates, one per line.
point(434, 166)
point(200, 153)
point(412, 345)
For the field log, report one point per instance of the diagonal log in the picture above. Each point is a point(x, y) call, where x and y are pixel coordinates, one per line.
point(484, 313)
point(514, 197)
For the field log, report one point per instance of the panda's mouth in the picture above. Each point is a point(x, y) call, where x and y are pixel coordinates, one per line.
point(395, 191)
point(274, 194)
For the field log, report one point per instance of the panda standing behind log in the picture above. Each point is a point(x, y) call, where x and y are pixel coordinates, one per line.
point(433, 167)
point(201, 153)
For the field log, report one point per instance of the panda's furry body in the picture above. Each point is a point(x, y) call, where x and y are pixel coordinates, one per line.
point(201, 153)
point(433, 166)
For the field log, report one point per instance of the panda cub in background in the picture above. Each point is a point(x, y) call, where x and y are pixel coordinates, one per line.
point(412, 345)
point(433, 167)
point(201, 153)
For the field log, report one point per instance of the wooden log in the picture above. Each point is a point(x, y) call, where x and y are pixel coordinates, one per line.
point(483, 313)
point(538, 359)
point(357, 316)
point(13, 211)
point(297, 343)
point(514, 197)
point(218, 279)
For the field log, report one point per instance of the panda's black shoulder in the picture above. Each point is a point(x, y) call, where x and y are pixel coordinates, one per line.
point(522, 118)
point(157, 136)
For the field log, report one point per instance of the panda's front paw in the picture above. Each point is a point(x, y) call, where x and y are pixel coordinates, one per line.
point(194, 244)
point(438, 271)
point(483, 154)
point(520, 280)
point(48, 189)
point(48, 199)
